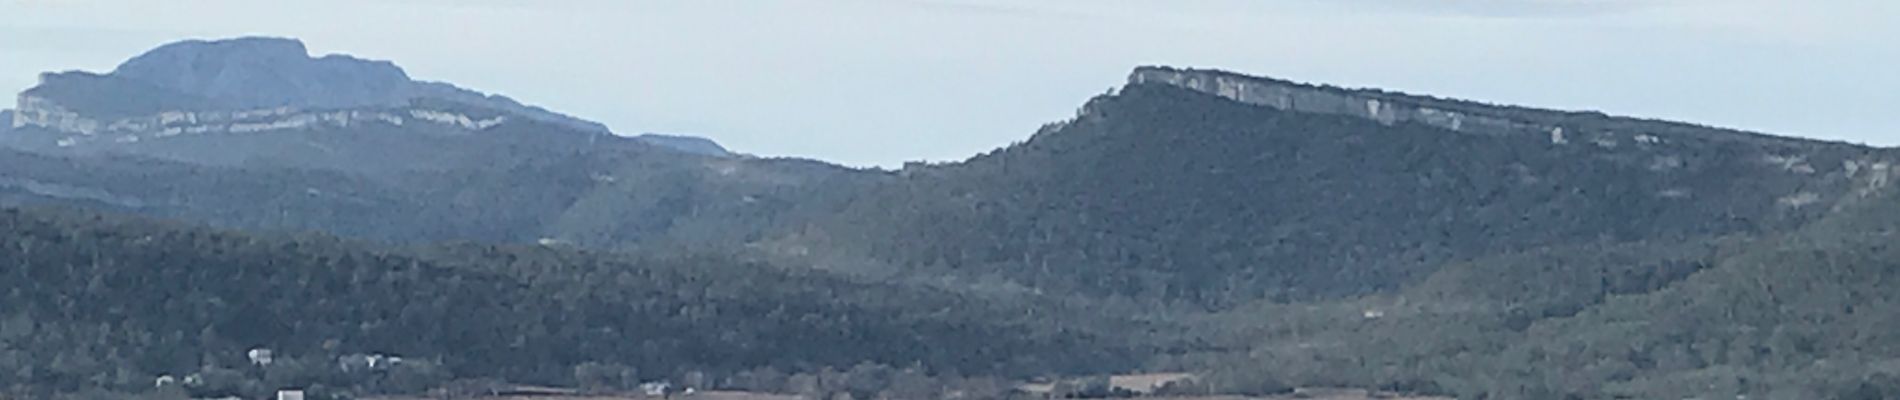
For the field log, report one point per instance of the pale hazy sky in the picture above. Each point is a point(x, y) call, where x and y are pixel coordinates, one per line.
point(879, 82)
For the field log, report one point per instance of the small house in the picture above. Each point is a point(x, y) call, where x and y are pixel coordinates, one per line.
point(261, 356)
point(656, 389)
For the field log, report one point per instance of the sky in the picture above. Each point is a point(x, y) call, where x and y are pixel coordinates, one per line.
point(882, 82)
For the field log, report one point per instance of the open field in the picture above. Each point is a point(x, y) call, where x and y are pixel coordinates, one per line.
point(1145, 383)
point(1349, 394)
point(1302, 394)
point(1307, 394)
point(706, 395)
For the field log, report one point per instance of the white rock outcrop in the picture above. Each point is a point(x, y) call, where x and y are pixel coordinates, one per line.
point(35, 112)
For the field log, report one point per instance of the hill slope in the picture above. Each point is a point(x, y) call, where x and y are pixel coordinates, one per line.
point(1314, 235)
point(356, 147)
point(1165, 191)
point(96, 301)
point(1796, 315)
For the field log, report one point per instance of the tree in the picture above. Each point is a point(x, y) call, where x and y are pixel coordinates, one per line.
point(914, 384)
point(804, 384)
point(415, 376)
point(601, 377)
point(1182, 388)
point(292, 372)
point(223, 382)
point(1091, 387)
point(766, 379)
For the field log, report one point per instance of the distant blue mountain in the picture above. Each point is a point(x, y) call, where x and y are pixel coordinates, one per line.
point(259, 72)
point(269, 72)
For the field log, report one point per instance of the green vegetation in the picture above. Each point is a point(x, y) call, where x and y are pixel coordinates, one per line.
point(1158, 194)
point(1796, 315)
point(107, 303)
point(1162, 229)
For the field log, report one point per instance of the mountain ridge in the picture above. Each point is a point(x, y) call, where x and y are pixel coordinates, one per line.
point(262, 84)
point(1301, 234)
point(690, 144)
point(1197, 153)
point(1371, 103)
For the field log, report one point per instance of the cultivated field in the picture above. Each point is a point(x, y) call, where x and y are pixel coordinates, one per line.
point(707, 395)
point(1303, 394)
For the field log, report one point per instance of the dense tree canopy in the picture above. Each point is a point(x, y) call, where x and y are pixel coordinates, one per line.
point(94, 301)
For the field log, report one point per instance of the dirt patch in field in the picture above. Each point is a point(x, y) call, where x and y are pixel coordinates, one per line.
point(1312, 394)
point(1146, 383)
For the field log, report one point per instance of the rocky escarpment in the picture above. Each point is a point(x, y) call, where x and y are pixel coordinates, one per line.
point(268, 72)
point(1389, 108)
point(1836, 171)
point(87, 108)
point(82, 129)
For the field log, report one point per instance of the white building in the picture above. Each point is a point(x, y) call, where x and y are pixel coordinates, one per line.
point(261, 356)
point(656, 388)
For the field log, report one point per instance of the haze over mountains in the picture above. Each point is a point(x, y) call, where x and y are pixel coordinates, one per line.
point(1261, 231)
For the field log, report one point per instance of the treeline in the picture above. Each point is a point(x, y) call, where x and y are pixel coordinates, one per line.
point(330, 377)
point(99, 302)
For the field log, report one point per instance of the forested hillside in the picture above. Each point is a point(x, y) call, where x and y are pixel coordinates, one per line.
point(1800, 315)
point(1157, 193)
point(102, 302)
point(253, 133)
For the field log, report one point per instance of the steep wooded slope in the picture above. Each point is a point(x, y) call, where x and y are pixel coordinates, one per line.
point(1163, 192)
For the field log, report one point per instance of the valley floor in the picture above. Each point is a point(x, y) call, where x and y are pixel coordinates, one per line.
point(708, 395)
point(1302, 394)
